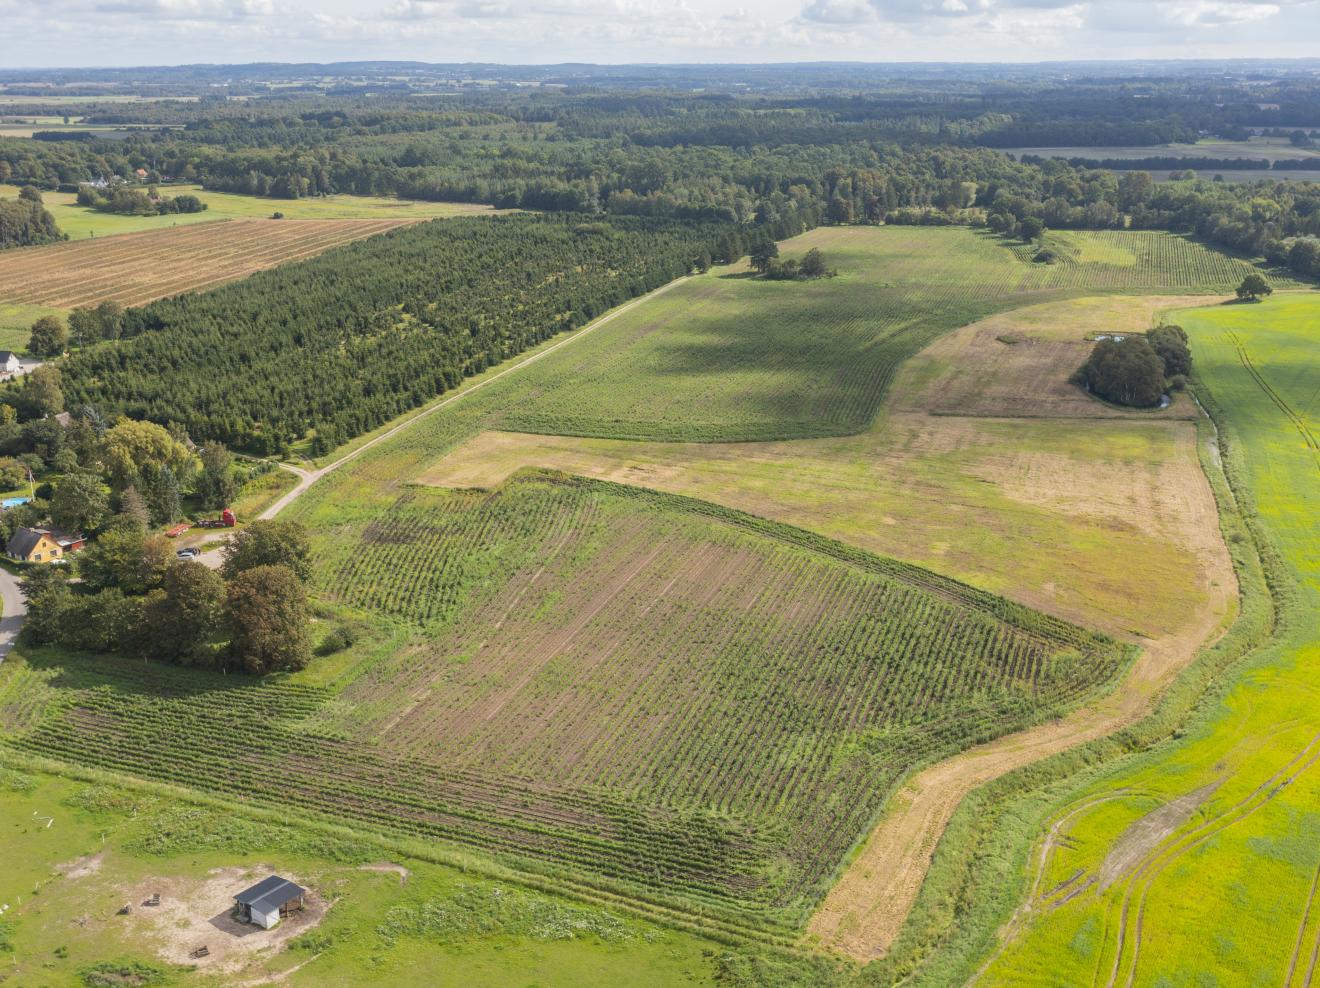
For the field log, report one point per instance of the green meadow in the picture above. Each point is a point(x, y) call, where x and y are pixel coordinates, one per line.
point(80, 222)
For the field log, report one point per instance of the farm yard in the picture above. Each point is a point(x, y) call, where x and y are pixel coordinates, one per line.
point(1200, 859)
point(139, 267)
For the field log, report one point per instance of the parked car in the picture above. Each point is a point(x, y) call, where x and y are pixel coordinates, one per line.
point(187, 553)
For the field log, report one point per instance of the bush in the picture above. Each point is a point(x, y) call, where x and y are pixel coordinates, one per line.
point(1046, 256)
point(337, 640)
point(119, 974)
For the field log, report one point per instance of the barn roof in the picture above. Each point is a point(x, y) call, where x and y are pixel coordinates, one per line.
point(269, 893)
point(5, 355)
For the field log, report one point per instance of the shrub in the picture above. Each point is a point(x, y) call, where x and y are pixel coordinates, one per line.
point(336, 640)
point(119, 974)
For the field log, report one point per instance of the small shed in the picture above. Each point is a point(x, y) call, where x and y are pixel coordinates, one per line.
point(269, 901)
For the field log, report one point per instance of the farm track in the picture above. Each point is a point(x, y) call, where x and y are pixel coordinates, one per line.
point(1298, 421)
point(136, 268)
point(1178, 846)
point(1302, 930)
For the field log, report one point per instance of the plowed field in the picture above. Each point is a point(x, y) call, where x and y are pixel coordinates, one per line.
point(139, 267)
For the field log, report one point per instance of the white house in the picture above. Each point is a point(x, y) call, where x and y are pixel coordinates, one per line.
point(267, 902)
point(9, 362)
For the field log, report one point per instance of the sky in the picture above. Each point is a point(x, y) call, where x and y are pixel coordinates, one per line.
point(167, 32)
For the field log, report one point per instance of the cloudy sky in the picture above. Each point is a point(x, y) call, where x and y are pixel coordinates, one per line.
point(136, 32)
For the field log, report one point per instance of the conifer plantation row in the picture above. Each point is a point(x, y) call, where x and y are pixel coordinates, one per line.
point(344, 342)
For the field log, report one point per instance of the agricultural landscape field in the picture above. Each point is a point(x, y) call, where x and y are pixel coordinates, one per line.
point(727, 526)
point(1199, 860)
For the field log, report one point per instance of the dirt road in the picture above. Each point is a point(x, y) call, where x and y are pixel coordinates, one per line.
point(866, 909)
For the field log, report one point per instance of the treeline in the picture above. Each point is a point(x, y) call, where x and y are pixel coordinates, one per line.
point(134, 202)
point(347, 341)
point(25, 222)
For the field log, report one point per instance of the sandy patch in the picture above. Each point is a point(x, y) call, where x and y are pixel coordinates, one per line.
point(195, 913)
point(88, 864)
point(387, 867)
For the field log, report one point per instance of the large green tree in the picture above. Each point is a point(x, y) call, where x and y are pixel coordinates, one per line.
point(183, 618)
point(266, 610)
point(1126, 372)
point(269, 543)
point(79, 502)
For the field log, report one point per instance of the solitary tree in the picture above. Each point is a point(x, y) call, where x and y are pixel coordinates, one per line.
point(79, 502)
point(1031, 228)
point(49, 337)
point(269, 543)
point(1253, 287)
point(762, 254)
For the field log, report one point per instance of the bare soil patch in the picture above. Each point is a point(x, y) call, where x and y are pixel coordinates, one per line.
point(88, 864)
point(195, 913)
point(1148, 833)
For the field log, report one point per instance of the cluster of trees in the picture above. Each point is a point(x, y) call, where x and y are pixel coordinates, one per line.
point(1135, 370)
point(357, 336)
point(92, 470)
point(25, 221)
point(135, 597)
point(134, 202)
point(765, 260)
point(51, 336)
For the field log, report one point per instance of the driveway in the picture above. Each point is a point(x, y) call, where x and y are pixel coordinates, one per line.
point(15, 609)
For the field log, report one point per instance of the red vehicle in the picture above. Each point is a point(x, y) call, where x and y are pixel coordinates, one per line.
point(177, 530)
point(226, 520)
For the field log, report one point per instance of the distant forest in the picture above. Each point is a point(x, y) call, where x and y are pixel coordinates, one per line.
point(632, 188)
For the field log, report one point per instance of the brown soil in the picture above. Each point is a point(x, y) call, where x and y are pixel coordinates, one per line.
point(1146, 834)
point(135, 268)
point(195, 913)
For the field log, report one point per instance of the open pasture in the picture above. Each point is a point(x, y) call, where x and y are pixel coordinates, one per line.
point(649, 693)
point(728, 357)
point(1221, 887)
point(139, 267)
point(81, 222)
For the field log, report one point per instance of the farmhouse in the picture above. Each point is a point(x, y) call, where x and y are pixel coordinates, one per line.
point(267, 902)
point(42, 545)
point(9, 362)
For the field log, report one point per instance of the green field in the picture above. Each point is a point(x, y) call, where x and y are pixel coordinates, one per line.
point(80, 222)
point(547, 630)
point(634, 693)
point(1228, 895)
point(75, 851)
point(16, 321)
point(727, 357)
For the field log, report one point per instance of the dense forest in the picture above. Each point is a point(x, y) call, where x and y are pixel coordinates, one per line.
point(922, 153)
point(346, 341)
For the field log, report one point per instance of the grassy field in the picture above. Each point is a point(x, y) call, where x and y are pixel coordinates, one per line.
point(1256, 148)
point(80, 222)
point(1217, 883)
point(672, 694)
point(75, 852)
point(941, 479)
point(532, 711)
point(16, 319)
point(726, 357)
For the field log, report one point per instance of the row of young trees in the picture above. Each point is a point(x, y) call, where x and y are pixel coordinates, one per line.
point(135, 597)
point(351, 339)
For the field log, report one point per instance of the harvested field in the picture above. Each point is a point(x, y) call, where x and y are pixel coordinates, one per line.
point(650, 693)
point(1017, 364)
point(139, 267)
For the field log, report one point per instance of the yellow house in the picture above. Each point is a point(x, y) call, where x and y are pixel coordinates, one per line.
point(42, 545)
